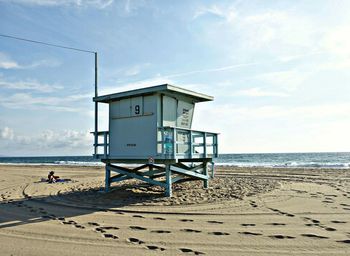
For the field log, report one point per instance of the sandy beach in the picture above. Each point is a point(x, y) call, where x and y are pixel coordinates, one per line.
point(246, 211)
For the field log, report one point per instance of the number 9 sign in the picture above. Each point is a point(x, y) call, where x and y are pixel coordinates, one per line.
point(137, 109)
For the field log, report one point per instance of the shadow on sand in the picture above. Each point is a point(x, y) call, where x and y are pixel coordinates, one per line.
point(62, 206)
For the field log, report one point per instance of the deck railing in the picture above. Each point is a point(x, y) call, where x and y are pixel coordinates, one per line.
point(104, 144)
point(174, 142)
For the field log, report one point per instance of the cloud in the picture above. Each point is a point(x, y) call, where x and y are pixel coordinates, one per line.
point(131, 6)
point(101, 4)
point(321, 112)
point(213, 10)
point(63, 139)
point(71, 103)
point(209, 70)
point(276, 128)
point(259, 92)
point(136, 85)
point(46, 142)
point(6, 62)
point(136, 69)
point(6, 133)
point(31, 85)
point(288, 80)
point(337, 40)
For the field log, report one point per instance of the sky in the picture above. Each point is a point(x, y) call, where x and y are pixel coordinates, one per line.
point(278, 70)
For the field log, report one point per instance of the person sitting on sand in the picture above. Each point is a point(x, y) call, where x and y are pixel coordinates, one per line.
point(51, 178)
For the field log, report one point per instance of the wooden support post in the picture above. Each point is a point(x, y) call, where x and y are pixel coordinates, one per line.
point(107, 178)
point(168, 188)
point(205, 172)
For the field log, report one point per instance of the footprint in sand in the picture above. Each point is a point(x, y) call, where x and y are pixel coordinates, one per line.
point(72, 222)
point(135, 240)
point(66, 223)
point(138, 216)
point(338, 222)
point(281, 212)
point(186, 220)
point(274, 210)
point(275, 224)
point(158, 218)
point(188, 230)
point(248, 225)
point(79, 226)
point(218, 233)
point(110, 228)
point(93, 224)
point(314, 236)
point(289, 214)
point(253, 204)
point(137, 228)
point(155, 248)
point(328, 201)
point(250, 233)
point(101, 230)
point(281, 237)
point(347, 241)
point(215, 222)
point(187, 250)
point(161, 231)
point(110, 236)
point(330, 229)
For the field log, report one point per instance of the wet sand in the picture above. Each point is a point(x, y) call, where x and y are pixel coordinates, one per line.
point(246, 211)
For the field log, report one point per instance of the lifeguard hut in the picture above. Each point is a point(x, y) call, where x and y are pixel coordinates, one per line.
point(150, 128)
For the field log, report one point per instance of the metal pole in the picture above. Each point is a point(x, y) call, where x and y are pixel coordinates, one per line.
point(96, 109)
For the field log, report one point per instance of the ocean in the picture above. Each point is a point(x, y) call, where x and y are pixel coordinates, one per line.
point(271, 160)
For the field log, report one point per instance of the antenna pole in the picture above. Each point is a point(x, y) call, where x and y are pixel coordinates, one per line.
point(96, 109)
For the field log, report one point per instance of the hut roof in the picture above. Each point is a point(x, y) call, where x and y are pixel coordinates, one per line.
point(165, 89)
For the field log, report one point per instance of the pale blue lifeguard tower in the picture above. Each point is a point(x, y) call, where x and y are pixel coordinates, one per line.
point(150, 128)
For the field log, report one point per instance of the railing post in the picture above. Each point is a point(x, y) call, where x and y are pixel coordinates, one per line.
point(174, 143)
point(162, 137)
point(205, 144)
point(191, 144)
point(105, 144)
point(108, 143)
point(215, 145)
